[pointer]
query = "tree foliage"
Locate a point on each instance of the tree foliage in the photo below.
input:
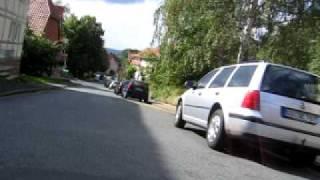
(131, 70)
(39, 55)
(295, 30)
(197, 36)
(85, 45)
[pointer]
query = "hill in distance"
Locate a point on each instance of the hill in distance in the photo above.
(114, 51)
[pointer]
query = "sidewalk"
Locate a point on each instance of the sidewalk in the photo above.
(165, 107)
(21, 86)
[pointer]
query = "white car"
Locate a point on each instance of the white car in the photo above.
(268, 101)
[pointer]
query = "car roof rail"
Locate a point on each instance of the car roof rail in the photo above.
(252, 61)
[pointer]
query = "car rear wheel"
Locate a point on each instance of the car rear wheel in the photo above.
(179, 122)
(146, 100)
(125, 95)
(215, 131)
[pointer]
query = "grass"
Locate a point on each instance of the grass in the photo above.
(168, 94)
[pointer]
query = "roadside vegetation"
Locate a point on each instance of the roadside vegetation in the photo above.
(41, 80)
(197, 36)
(39, 55)
(85, 46)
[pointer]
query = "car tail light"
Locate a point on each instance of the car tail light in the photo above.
(129, 85)
(252, 100)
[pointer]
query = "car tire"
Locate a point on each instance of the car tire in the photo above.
(146, 101)
(179, 122)
(125, 95)
(215, 130)
(140, 100)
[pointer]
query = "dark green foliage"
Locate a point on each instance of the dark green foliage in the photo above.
(130, 72)
(39, 55)
(292, 41)
(314, 65)
(85, 45)
(197, 36)
(200, 35)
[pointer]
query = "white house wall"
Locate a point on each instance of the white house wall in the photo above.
(12, 26)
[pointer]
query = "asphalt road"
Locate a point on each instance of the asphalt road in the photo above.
(88, 133)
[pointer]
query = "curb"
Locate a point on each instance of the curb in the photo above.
(164, 107)
(26, 91)
(155, 105)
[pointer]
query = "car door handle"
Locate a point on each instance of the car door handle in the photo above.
(217, 93)
(199, 93)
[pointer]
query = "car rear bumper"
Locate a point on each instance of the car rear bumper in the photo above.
(242, 125)
(135, 94)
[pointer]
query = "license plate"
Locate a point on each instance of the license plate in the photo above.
(300, 116)
(139, 89)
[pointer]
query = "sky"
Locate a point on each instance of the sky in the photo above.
(127, 23)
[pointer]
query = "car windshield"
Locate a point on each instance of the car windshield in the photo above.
(291, 83)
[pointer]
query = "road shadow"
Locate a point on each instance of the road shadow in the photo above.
(263, 154)
(76, 135)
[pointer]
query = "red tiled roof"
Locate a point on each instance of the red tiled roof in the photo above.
(39, 13)
(55, 10)
(135, 62)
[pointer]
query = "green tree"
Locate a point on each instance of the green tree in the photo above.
(85, 45)
(39, 55)
(195, 36)
(314, 65)
(130, 71)
(293, 28)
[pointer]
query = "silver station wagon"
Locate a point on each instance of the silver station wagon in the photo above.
(269, 101)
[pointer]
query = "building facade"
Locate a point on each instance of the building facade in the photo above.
(13, 16)
(114, 65)
(46, 18)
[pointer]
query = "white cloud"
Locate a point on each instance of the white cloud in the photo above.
(126, 25)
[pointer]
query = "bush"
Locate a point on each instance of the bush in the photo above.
(130, 71)
(314, 65)
(167, 94)
(39, 55)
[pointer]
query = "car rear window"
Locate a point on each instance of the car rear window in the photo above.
(291, 83)
(222, 77)
(140, 84)
(242, 76)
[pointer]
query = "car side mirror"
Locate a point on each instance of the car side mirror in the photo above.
(190, 84)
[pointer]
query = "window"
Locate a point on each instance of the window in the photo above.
(222, 77)
(242, 76)
(12, 31)
(2, 24)
(6, 29)
(205, 79)
(291, 83)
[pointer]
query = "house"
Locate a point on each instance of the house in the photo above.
(141, 60)
(46, 18)
(114, 65)
(13, 16)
